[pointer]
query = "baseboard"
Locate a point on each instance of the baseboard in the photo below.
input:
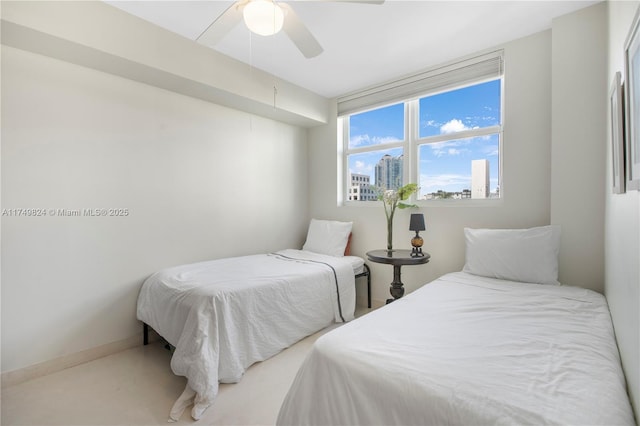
(361, 304)
(21, 375)
(375, 303)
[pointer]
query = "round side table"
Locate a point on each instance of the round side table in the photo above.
(397, 258)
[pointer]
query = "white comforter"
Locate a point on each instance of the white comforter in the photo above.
(467, 350)
(224, 315)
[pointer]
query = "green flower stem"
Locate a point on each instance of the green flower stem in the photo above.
(390, 229)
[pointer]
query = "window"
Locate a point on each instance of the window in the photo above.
(376, 150)
(459, 143)
(446, 137)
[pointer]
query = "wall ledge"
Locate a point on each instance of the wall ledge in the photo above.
(145, 53)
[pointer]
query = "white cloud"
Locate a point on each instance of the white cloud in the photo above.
(359, 140)
(453, 126)
(492, 151)
(440, 149)
(361, 168)
(384, 139)
(366, 140)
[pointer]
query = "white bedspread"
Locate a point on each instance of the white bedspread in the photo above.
(467, 350)
(224, 315)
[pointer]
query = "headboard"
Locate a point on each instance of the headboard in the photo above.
(347, 249)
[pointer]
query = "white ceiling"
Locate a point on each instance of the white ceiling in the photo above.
(364, 44)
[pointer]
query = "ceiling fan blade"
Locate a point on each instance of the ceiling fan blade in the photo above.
(299, 34)
(222, 25)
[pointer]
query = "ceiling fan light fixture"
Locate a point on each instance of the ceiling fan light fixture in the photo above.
(263, 17)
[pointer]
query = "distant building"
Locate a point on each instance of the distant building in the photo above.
(389, 172)
(480, 179)
(360, 188)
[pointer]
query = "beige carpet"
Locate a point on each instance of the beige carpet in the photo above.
(137, 387)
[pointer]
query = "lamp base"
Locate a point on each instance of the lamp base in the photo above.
(417, 242)
(416, 252)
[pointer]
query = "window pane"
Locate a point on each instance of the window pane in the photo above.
(463, 109)
(462, 168)
(376, 127)
(373, 169)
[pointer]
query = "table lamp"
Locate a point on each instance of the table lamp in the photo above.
(416, 223)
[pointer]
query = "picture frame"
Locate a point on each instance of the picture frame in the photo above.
(632, 104)
(616, 113)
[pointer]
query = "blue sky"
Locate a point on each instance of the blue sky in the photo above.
(443, 165)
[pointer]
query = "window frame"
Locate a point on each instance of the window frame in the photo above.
(411, 147)
(346, 131)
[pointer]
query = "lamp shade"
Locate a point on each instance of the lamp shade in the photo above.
(263, 17)
(416, 222)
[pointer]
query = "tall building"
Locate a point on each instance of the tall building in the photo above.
(360, 188)
(389, 172)
(480, 179)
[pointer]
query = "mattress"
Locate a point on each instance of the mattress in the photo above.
(467, 350)
(224, 315)
(357, 263)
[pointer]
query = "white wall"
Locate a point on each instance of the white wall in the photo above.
(579, 111)
(527, 165)
(200, 181)
(622, 229)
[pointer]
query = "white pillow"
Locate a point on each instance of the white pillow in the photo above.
(526, 255)
(327, 237)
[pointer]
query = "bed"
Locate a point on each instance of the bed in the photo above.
(221, 316)
(499, 342)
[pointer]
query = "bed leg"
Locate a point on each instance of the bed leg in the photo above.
(366, 267)
(145, 334)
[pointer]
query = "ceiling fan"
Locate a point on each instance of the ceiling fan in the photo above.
(267, 17)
